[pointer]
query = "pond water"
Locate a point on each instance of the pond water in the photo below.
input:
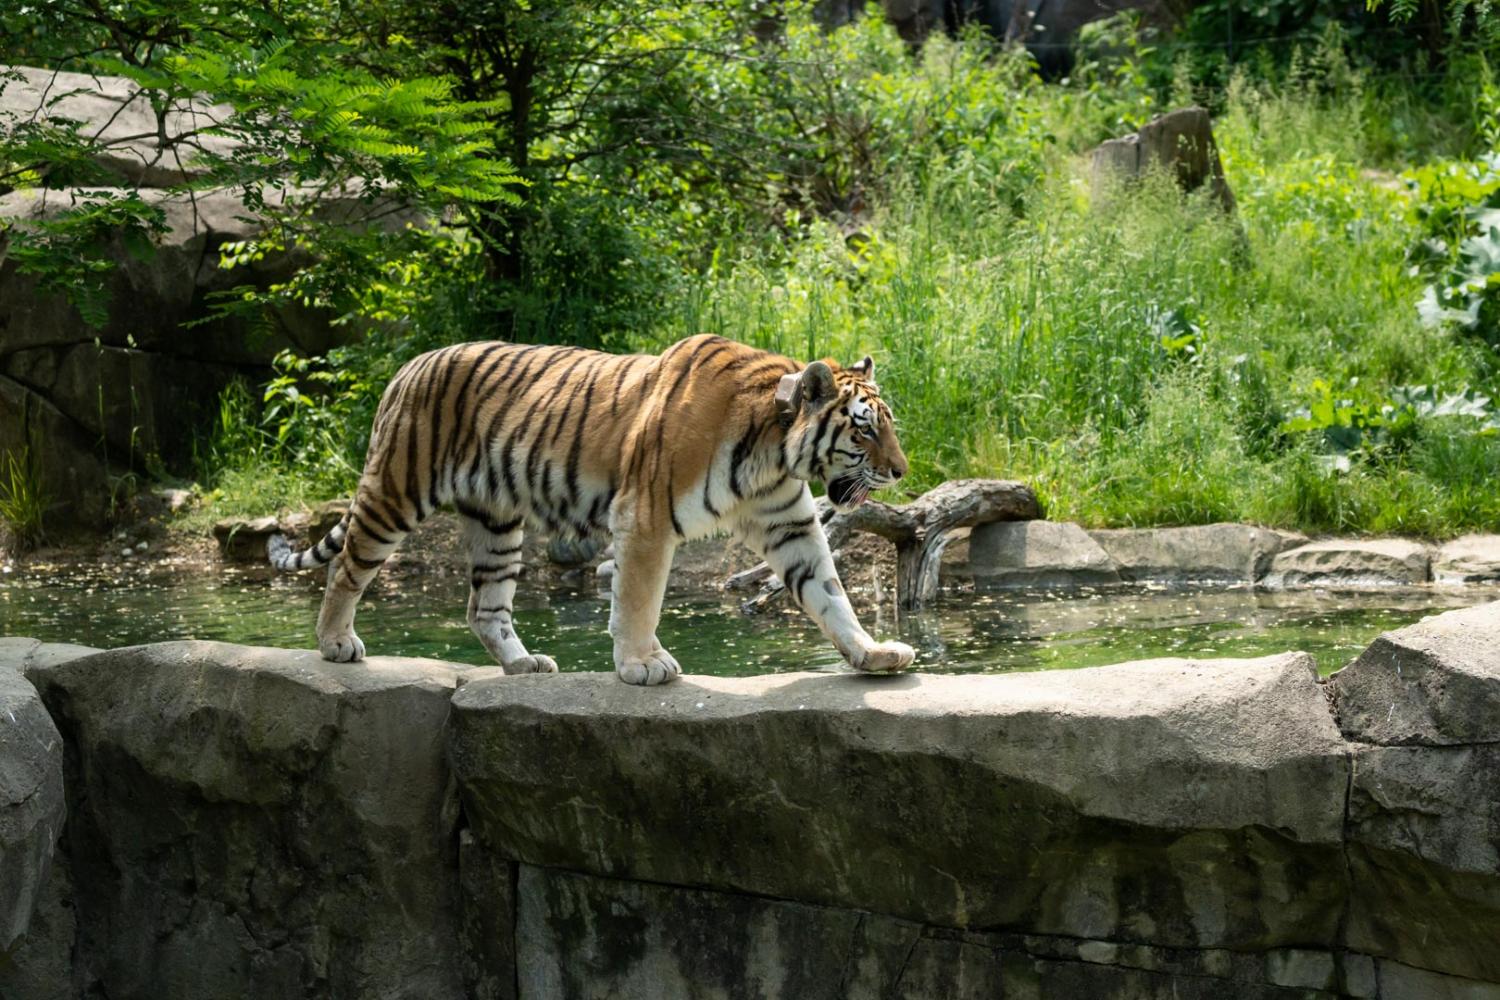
(424, 616)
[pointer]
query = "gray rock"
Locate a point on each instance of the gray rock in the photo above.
(242, 540)
(1175, 800)
(1433, 683)
(113, 112)
(1424, 857)
(1470, 559)
(1402, 982)
(1179, 143)
(259, 823)
(1038, 554)
(1235, 553)
(581, 935)
(32, 808)
(1352, 563)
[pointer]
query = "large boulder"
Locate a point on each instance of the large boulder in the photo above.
(1435, 683)
(1038, 555)
(1469, 559)
(31, 793)
(1187, 803)
(132, 393)
(1219, 553)
(1353, 563)
(258, 823)
(36, 918)
(136, 141)
(1179, 143)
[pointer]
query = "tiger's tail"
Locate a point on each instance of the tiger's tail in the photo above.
(279, 550)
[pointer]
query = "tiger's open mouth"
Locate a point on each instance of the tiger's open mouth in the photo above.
(848, 492)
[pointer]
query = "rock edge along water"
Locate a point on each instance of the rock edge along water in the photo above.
(1127, 831)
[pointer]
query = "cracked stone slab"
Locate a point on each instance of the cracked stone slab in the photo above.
(1353, 563)
(1038, 554)
(1435, 683)
(1469, 559)
(583, 935)
(1232, 553)
(1183, 797)
(259, 823)
(1424, 854)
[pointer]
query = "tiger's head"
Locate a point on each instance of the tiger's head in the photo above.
(839, 431)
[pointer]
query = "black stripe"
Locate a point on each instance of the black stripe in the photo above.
(788, 539)
(782, 507)
(364, 563)
(742, 449)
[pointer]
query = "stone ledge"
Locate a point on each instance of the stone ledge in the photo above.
(1351, 563)
(1216, 553)
(1045, 801)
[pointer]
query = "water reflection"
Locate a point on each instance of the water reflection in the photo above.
(424, 616)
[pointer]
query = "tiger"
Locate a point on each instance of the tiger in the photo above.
(711, 436)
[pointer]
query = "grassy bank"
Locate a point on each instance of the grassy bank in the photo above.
(1138, 356)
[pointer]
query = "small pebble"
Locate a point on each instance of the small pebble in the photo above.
(141, 546)
(126, 553)
(700, 704)
(121, 537)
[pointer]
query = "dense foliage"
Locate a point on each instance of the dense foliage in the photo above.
(628, 173)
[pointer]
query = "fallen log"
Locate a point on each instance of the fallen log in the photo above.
(920, 530)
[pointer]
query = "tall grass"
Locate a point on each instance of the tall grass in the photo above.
(1134, 353)
(1039, 344)
(23, 499)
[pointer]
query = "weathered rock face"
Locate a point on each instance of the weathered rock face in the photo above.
(1425, 800)
(87, 402)
(113, 111)
(1435, 683)
(1179, 143)
(1038, 554)
(31, 793)
(36, 919)
(581, 935)
(1470, 559)
(1353, 563)
(957, 801)
(1235, 553)
(259, 823)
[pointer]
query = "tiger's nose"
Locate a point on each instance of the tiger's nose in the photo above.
(897, 471)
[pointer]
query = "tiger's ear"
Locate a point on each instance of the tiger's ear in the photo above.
(816, 386)
(813, 387)
(865, 369)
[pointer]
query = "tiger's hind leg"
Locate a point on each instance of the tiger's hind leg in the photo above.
(368, 544)
(494, 564)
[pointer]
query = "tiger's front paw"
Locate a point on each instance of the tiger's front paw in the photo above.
(346, 648)
(884, 658)
(657, 667)
(534, 663)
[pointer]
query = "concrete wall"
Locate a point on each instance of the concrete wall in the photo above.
(259, 823)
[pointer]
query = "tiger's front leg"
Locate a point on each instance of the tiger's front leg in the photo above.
(642, 560)
(791, 541)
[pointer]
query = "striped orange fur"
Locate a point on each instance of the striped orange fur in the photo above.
(649, 450)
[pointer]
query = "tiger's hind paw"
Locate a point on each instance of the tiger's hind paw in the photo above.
(657, 667)
(346, 648)
(532, 664)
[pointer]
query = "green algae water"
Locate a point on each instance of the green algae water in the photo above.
(424, 616)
